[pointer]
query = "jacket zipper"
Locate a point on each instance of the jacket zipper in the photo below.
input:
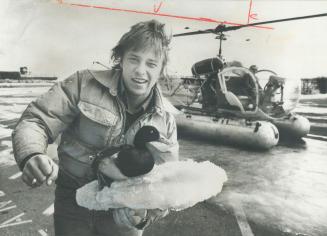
(145, 115)
(122, 109)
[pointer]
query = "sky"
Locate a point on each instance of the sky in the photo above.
(57, 39)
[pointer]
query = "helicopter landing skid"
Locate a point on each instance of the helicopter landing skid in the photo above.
(219, 113)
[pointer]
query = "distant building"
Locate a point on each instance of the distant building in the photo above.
(314, 85)
(23, 74)
(12, 75)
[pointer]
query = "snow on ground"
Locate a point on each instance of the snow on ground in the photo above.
(11, 112)
(10, 101)
(321, 111)
(4, 132)
(13, 101)
(313, 96)
(6, 156)
(21, 91)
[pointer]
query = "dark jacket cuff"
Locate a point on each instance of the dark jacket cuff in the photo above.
(26, 159)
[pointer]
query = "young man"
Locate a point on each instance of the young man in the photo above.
(94, 110)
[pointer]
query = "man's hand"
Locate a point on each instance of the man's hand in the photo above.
(130, 218)
(39, 169)
(139, 219)
(155, 214)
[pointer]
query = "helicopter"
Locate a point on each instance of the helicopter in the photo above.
(228, 102)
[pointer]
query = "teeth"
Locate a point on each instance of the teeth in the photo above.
(140, 80)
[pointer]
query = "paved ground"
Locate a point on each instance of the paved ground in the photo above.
(279, 192)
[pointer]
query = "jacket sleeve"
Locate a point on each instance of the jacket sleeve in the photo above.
(167, 148)
(45, 118)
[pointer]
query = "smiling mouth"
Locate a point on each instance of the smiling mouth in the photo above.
(139, 80)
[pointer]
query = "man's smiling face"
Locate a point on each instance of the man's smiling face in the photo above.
(141, 70)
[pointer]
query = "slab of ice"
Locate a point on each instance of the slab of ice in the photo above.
(172, 185)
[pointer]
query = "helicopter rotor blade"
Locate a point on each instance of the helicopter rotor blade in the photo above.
(229, 28)
(208, 31)
(223, 28)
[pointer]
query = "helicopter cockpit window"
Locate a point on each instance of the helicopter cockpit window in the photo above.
(279, 95)
(240, 88)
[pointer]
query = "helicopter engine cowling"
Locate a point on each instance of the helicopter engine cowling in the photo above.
(207, 66)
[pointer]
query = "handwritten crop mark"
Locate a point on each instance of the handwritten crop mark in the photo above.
(250, 14)
(156, 13)
(156, 9)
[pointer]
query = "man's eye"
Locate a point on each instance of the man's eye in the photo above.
(133, 60)
(152, 65)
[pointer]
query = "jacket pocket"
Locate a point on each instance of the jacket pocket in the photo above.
(96, 124)
(97, 114)
(75, 158)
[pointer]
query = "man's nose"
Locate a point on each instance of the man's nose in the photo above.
(140, 69)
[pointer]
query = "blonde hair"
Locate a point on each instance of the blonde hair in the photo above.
(143, 35)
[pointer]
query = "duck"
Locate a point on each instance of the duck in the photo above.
(125, 161)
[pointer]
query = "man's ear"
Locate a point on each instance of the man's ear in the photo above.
(120, 64)
(163, 72)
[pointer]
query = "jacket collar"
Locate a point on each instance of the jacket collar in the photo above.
(108, 78)
(158, 103)
(111, 79)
